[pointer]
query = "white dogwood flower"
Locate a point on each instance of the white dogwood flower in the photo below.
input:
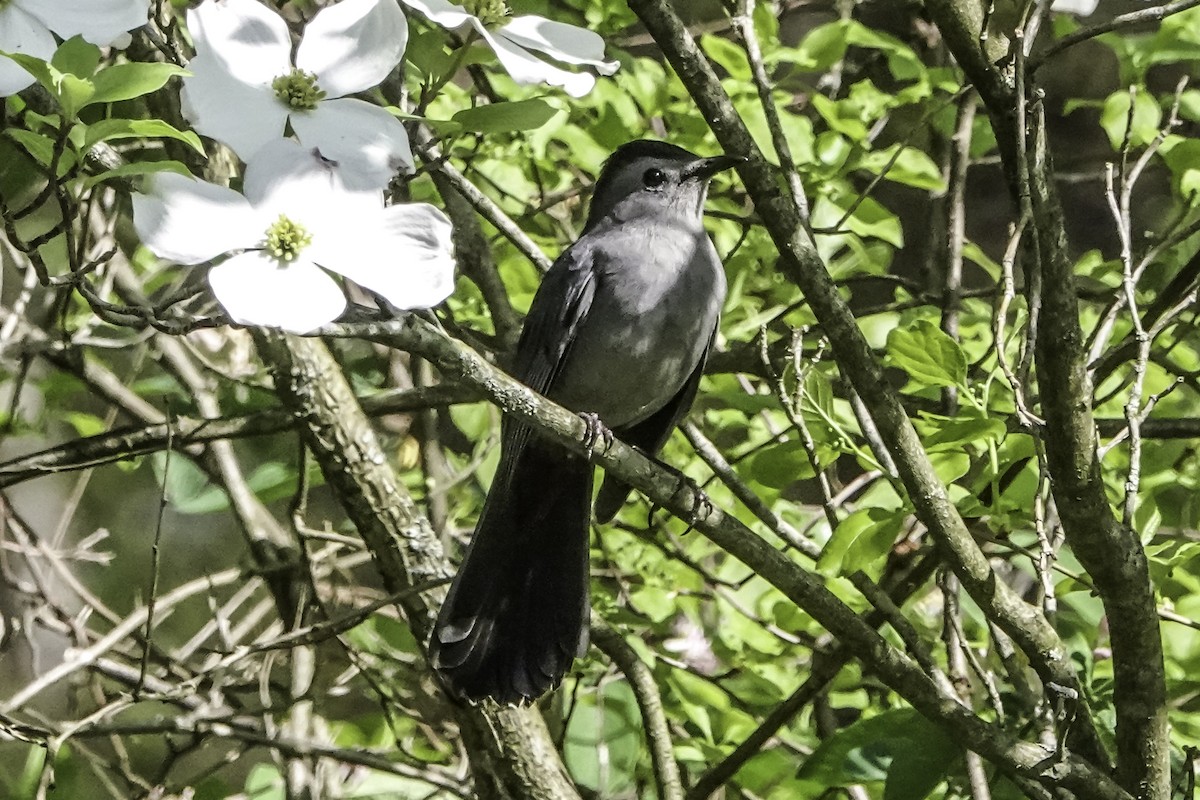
(27, 26)
(245, 88)
(512, 39)
(296, 220)
(1081, 8)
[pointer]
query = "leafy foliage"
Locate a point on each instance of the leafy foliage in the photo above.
(102, 348)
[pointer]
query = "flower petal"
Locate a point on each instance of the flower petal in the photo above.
(441, 12)
(190, 221)
(366, 142)
(21, 32)
(524, 67)
(562, 42)
(406, 256)
(98, 21)
(256, 289)
(1083, 8)
(244, 116)
(245, 37)
(292, 179)
(353, 45)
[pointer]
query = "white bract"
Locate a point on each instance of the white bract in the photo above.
(296, 220)
(1083, 8)
(27, 26)
(512, 38)
(245, 88)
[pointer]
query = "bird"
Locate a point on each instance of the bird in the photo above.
(617, 332)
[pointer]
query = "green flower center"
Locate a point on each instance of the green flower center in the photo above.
(298, 89)
(285, 239)
(492, 13)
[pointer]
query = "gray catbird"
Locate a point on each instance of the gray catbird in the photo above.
(619, 331)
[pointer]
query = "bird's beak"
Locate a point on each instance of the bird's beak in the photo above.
(705, 168)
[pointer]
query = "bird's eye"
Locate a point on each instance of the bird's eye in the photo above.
(654, 178)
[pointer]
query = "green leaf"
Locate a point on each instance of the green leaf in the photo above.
(872, 219)
(69, 91)
(40, 147)
(522, 115)
(475, 420)
(654, 601)
(824, 46)
(272, 481)
(443, 127)
(911, 167)
(949, 465)
(728, 55)
(954, 434)
(841, 116)
(85, 424)
(927, 354)
(187, 488)
(868, 750)
(699, 699)
(604, 740)
(76, 57)
(780, 465)
(135, 169)
(902, 60)
(861, 539)
(1182, 157)
(918, 766)
(41, 70)
(975, 254)
(427, 52)
(127, 81)
(1115, 118)
(818, 390)
(1189, 104)
(831, 149)
(74, 94)
(108, 129)
(381, 635)
(264, 782)
(766, 26)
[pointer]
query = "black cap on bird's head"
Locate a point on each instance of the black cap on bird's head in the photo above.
(649, 177)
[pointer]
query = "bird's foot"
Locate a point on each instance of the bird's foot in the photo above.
(699, 506)
(595, 433)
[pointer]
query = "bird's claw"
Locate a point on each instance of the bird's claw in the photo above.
(595, 432)
(700, 506)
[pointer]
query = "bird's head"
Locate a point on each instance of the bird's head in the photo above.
(647, 178)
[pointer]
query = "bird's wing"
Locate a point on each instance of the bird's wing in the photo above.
(516, 615)
(559, 308)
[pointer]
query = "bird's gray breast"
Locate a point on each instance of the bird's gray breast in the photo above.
(658, 294)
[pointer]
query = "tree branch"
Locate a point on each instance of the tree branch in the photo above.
(512, 754)
(805, 589)
(1110, 552)
(645, 690)
(801, 262)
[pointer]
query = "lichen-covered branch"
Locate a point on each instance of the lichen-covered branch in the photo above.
(801, 262)
(1111, 553)
(806, 589)
(512, 754)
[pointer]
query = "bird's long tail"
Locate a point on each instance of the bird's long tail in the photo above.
(516, 614)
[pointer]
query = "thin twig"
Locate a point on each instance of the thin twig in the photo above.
(645, 690)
